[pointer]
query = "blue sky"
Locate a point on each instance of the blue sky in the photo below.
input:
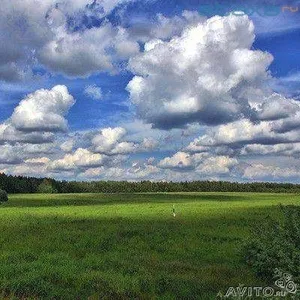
(149, 89)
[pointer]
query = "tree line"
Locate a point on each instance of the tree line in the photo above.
(21, 184)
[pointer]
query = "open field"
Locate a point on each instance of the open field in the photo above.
(126, 246)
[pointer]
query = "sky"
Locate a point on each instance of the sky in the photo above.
(150, 90)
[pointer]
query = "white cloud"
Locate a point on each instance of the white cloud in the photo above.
(277, 107)
(67, 146)
(217, 165)
(33, 34)
(193, 71)
(38, 148)
(245, 132)
(33, 127)
(180, 161)
(43, 111)
(79, 54)
(80, 158)
(94, 92)
(242, 131)
(93, 172)
(122, 173)
(196, 146)
(27, 170)
(17, 153)
(200, 76)
(260, 171)
(110, 141)
(291, 149)
(148, 144)
(162, 27)
(8, 133)
(107, 139)
(9, 155)
(202, 163)
(169, 27)
(38, 161)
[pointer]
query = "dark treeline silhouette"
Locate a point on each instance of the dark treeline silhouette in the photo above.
(21, 184)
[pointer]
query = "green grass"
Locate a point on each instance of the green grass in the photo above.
(128, 246)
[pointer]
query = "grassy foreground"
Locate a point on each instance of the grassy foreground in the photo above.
(128, 246)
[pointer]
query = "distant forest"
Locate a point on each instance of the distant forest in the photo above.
(21, 184)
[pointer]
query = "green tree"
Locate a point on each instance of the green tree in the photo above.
(46, 187)
(3, 196)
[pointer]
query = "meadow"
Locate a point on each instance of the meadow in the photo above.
(128, 246)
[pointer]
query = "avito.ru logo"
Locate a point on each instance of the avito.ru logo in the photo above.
(284, 283)
(261, 9)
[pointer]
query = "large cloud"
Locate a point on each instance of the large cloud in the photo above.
(34, 32)
(38, 116)
(200, 76)
(43, 110)
(93, 50)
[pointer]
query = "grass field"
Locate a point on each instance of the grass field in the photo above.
(128, 246)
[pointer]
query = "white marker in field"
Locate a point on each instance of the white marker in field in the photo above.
(174, 213)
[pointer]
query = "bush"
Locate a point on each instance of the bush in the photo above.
(3, 196)
(276, 245)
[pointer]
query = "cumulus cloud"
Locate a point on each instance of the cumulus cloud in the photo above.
(43, 34)
(8, 133)
(67, 146)
(80, 158)
(196, 146)
(292, 149)
(26, 170)
(260, 171)
(210, 74)
(192, 72)
(9, 155)
(43, 111)
(277, 107)
(217, 165)
(35, 149)
(203, 163)
(244, 132)
(110, 141)
(201, 76)
(17, 157)
(179, 161)
(32, 128)
(148, 144)
(107, 139)
(84, 53)
(17, 153)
